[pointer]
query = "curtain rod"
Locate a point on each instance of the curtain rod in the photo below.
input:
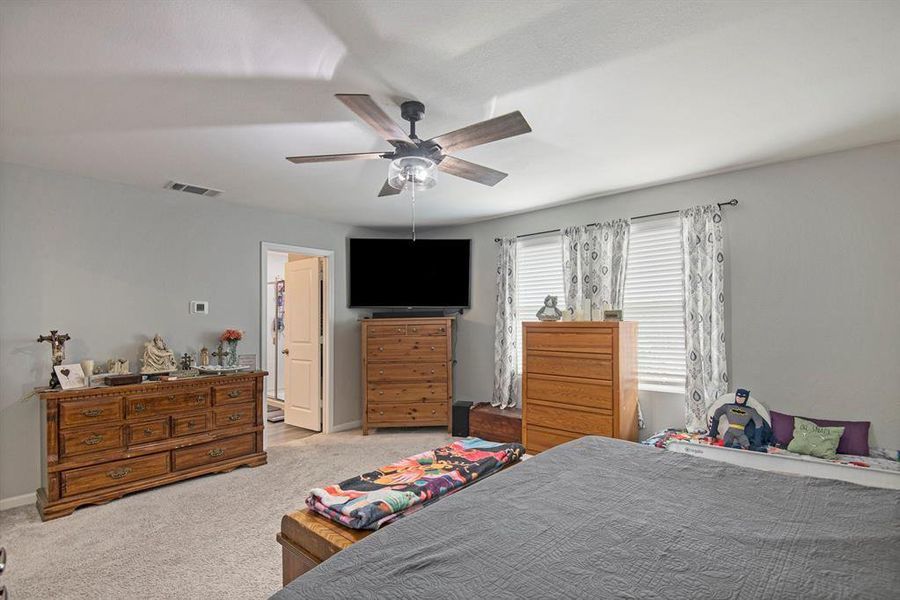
(732, 202)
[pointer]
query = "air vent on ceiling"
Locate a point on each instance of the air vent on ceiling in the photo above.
(192, 189)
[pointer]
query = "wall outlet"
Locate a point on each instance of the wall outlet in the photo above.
(199, 307)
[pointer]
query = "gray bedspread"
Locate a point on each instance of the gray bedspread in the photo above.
(600, 518)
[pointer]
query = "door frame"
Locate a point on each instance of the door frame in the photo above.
(328, 343)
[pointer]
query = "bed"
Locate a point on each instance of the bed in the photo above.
(603, 518)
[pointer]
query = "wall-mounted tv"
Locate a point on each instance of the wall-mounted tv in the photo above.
(401, 273)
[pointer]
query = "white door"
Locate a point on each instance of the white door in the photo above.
(302, 369)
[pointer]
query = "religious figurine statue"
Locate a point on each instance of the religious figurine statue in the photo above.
(220, 354)
(204, 356)
(57, 351)
(157, 356)
(118, 366)
(549, 312)
(186, 361)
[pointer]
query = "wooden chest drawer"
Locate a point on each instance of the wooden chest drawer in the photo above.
(592, 366)
(592, 341)
(230, 394)
(112, 474)
(429, 330)
(424, 372)
(411, 413)
(234, 415)
(150, 431)
(188, 424)
(385, 330)
(212, 452)
(423, 348)
(163, 404)
(592, 394)
(538, 440)
(577, 421)
(93, 439)
(407, 392)
(90, 411)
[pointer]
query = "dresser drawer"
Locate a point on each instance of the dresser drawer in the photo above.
(569, 391)
(150, 431)
(565, 419)
(592, 366)
(538, 440)
(592, 341)
(429, 330)
(234, 415)
(405, 348)
(229, 394)
(401, 372)
(112, 474)
(212, 452)
(385, 330)
(162, 404)
(407, 392)
(75, 413)
(188, 424)
(412, 413)
(93, 439)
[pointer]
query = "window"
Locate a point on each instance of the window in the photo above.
(653, 298)
(539, 272)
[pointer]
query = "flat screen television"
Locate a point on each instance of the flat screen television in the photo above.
(401, 273)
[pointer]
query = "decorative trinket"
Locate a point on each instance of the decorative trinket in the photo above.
(549, 312)
(157, 357)
(57, 351)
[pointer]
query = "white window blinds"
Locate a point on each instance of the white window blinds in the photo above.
(538, 273)
(653, 298)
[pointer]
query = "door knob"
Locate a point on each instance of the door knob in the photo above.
(285, 351)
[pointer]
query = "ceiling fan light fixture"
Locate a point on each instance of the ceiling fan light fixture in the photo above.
(417, 170)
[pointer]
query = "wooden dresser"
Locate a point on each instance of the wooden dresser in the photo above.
(407, 372)
(102, 443)
(578, 378)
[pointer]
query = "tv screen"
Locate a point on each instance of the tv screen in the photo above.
(392, 273)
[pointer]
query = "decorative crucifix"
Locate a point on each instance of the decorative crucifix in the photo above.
(186, 361)
(57, 351)
(220, 355)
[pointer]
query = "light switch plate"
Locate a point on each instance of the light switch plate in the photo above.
(199, 307)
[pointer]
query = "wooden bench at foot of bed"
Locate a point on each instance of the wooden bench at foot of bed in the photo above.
(307, 539)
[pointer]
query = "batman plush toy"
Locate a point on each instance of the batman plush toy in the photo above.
(738, 416)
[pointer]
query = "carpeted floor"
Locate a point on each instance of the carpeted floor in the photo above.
(212, 537)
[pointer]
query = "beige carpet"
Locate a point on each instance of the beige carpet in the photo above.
(212, 537)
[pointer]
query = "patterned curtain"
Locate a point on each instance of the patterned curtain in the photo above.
(594, 258)
(703, 247)
(505, 360)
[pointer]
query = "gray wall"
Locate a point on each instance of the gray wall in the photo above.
(112, 264)
(814, 276)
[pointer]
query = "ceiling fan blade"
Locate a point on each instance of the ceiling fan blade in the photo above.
(471, 171)
(388, 190)
(335, 157)
(498, 128)
(368, 111)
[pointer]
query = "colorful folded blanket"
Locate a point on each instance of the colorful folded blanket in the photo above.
(384, 495)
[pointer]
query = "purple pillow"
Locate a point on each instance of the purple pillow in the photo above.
(854, 441)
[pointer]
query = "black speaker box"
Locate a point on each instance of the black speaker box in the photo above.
(461, 418)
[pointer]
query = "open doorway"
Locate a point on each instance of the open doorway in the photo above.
(296, 330)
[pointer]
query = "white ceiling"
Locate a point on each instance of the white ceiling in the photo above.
(620, 94)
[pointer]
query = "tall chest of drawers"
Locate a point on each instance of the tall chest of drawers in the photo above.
(578, 378)
(102, 443)
(407, 372)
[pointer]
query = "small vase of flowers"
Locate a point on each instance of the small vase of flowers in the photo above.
(231, 337)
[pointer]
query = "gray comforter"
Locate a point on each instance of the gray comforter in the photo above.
(600, 518)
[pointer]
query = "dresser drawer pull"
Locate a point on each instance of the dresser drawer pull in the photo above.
(118, 473)
(234, 394)
(432, 348)
(216, 452)
(380, 393)
(415, 329)
(381, 372)
(443, 330)
(93, 440)
(148, 431)
(236, 417)
(139, 407)
(400, 330)
(432, 371)
(92, 412)
(200, 399)
(381, 412)
(381, 348)
(433, 412)
(171, 398)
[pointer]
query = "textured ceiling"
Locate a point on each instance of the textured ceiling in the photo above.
(620, 94)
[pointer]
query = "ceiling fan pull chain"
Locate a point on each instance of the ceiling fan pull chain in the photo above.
(412, 195)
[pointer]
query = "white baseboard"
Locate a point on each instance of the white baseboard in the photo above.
(346, 426)
(14, 501)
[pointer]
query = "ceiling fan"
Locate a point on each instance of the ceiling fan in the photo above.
(415, 161)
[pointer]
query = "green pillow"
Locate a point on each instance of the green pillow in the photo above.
(813, 440)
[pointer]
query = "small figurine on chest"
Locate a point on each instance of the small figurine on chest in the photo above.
(737, 416)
